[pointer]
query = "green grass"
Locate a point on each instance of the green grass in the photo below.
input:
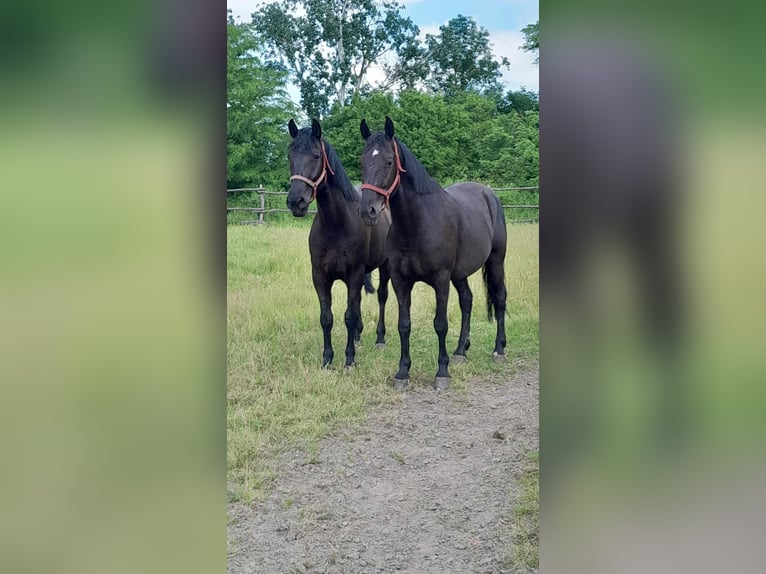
(524, 554)
(279, 397)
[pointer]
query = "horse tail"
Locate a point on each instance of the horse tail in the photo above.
(368, 287)
(489, 293)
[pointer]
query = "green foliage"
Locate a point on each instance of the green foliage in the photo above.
(330, 45)
(465, 137)
(510, 149)
(460, 58)
(521, 101)
(341, 127)
(258, 109)
(532, 38)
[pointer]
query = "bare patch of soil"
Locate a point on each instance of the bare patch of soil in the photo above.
(425, 486)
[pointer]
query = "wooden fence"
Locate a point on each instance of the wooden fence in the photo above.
(262, 210)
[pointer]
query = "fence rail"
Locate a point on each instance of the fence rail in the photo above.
(262, 210)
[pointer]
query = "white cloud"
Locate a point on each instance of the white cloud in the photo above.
(242, 9)
(432, 29)
(523, 72)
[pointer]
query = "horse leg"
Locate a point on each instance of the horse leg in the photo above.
(324, 292)
(353, 314)
(466, 302)
(380, 342)
(441, 288)
(358, 331)
(403, 290)
(495, 277)
(660, 295)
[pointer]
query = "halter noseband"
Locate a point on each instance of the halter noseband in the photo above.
(322, 176)
(397, 179)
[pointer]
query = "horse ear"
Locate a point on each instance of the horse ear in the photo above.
(292, 128)
(389, 127)
(316, 129)
(364, 129)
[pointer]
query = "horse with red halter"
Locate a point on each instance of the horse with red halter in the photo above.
(341, 246)
(437, 236)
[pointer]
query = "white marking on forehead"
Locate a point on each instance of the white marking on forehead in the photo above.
(375, 152)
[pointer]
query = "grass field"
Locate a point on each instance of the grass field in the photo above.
(279, 397)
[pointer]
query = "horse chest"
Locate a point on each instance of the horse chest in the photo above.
(337, 260)
(408, 265)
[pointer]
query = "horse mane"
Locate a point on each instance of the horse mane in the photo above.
(303, 141)
(416, 171)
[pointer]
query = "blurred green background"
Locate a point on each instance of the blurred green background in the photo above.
(621, 493)
(112, 293)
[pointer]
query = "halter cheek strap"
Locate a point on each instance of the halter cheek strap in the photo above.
(314, 184)
(397, 179)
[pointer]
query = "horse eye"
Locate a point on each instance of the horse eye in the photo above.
(317, 156)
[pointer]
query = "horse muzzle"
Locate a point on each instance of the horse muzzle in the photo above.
(369, 215)
(298, 207)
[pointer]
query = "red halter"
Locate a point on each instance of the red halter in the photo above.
(322, 176)
(387, 192)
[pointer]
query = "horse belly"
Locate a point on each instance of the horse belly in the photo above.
(470, 261)
(476, 232)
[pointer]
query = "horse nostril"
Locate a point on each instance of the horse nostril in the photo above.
(371, 211)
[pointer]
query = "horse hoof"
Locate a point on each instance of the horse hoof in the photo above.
(458, 359)
(380, 346)
(349, 368)
(497, 357)
(401, 384)
(441, 383)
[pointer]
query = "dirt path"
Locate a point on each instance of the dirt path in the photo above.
(427, 486)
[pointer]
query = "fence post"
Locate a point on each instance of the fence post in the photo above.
(263, 203)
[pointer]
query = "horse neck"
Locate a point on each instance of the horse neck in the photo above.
(408, 208)
(332, 207)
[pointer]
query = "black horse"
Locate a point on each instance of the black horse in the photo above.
(437, 236)
(341, 246)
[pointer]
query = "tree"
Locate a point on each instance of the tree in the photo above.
(532, 39)
(461, 57)
(341, 126)
(437, 132)
(512, 151)
(330, 46)
(465, 137)
(520, 101)
(258, 110)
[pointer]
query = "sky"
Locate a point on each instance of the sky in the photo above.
(503, 19)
